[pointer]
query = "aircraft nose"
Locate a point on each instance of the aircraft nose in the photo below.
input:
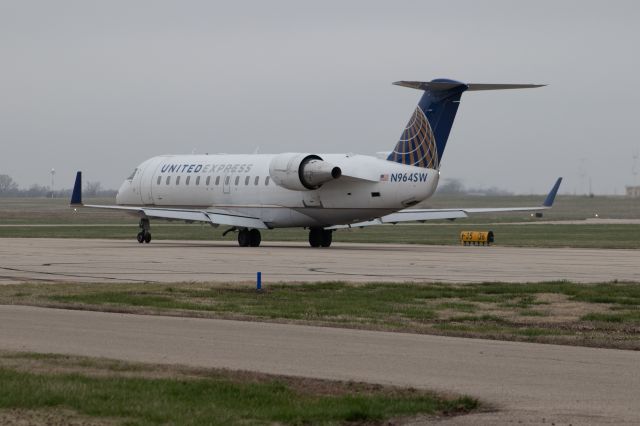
(121, 195)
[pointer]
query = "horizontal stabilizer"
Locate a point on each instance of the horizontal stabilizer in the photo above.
(446, 85)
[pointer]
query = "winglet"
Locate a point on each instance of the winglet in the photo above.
(76, 195)
(548, 202)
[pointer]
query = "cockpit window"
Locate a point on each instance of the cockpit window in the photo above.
(132, 174)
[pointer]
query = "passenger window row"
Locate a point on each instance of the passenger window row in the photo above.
(187, 181)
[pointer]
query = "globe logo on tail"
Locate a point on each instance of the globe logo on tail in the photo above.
(417, 144)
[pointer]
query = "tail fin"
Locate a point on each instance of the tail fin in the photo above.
(424, 138)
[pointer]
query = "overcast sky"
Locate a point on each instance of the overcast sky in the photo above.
(101, 86)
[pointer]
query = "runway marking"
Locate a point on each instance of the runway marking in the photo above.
(396, 277)
(57, 274)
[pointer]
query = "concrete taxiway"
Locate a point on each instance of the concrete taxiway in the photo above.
(88, 260)
(530, 383)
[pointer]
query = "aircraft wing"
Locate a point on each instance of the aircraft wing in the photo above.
(214, 217)
(421, 215)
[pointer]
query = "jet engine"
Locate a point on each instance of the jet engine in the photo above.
(302, 172)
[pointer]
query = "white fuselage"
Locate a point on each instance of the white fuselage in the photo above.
(368, 187)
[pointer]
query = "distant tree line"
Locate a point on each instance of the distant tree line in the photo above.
(9, 188)
(456, 187)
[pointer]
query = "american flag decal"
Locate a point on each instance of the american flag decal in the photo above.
(384, 178)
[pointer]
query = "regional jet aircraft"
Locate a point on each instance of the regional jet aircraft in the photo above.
(320, 192)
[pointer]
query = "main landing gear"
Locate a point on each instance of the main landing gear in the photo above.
(319, 237)
(249, 237)
(144, 236)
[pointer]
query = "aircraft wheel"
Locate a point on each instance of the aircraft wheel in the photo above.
(140, 237)
(147, 237)
(327, 237)
(315, 237)
(254, 238)
(243, 238)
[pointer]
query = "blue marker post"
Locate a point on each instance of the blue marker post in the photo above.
(259, 281)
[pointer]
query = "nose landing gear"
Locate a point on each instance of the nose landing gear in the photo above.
(319, 237)
(144, 236)
(249, 238)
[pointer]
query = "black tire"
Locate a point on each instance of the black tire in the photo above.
(315, 237)
(243, 238)
(327, 237)
(140, 237)
(254, 238)
(147, 237)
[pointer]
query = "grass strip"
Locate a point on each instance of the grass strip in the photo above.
(134, 394)
(601, 315)
(620, 236)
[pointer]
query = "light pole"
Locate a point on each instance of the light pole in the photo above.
(53, 173)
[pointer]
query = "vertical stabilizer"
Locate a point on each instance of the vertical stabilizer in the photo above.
(424, 138)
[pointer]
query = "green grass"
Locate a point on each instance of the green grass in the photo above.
(196, 402)
(543, 235)
(631, 317)
(537, 332)
(92, 388)
(95, 224)
(606, 314)
(458, 306)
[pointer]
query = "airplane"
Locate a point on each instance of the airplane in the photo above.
(319, 192)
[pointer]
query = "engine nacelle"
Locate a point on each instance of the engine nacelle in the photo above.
(302, 172)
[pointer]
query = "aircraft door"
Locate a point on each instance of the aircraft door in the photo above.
(145, 181)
